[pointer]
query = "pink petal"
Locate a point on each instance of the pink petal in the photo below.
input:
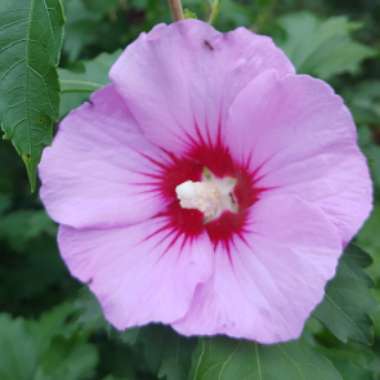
(141, 273)
(93, 173)
(275, 278)
(186, 75)
(301, 140)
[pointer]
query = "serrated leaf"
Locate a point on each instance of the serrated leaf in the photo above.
(76, 86)
(83, 20)
(30, 43)
(67, 359)
(364, 102)
(62, 342)
(323, 48)
(43, 350)
(175, 363)
(21, 226)
(80, 26)
(369, 239)
(348, 302)
(161, 351)
(353, 363)
(372, 152)
(227, 359)
(18, 356)
(89, 314)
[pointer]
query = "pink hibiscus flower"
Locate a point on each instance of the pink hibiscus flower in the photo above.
(208, 187)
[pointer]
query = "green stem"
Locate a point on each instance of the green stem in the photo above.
(214, 11)
(72, 85)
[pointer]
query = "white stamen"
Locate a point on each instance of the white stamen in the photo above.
(212, 196)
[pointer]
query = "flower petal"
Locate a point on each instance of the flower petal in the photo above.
(301, 140)
(93, 173)
(180, 79)
(274, 278)
(141, 273)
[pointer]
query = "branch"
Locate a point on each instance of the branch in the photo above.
(176, 9)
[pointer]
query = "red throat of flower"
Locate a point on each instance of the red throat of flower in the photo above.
(209, 168)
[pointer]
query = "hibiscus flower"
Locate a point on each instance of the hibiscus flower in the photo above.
(208, 187)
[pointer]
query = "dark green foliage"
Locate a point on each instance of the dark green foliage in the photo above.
(323, 48)
(41, 350)
(348, 303)
(227, 359)
(77, 85)
(52, 328)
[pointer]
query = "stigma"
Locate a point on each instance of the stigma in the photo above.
(212, 195)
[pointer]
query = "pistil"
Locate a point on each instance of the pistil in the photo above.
(212, 196)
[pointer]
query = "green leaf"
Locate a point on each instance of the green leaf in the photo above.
(80, 27)
(227, 359)
(21, 226)
(189, 14)
(369, 239)
(376, 317)
(130, 336)
(372, 152)
(364, 101)
(323, 48)
(76, 86)
(233, 13)
(101, 7)
(353, 362)
(348, 302)
(18, 356)
(30, 44)
(89, 314)
(67, 359)
(161, 351)
(85, 23)
(175, 362)
(5, 202)
(47, 349)
(41, 268)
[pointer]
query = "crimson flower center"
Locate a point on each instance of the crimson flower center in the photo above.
(207, 191)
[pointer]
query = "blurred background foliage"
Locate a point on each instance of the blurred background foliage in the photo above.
(51, 327)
